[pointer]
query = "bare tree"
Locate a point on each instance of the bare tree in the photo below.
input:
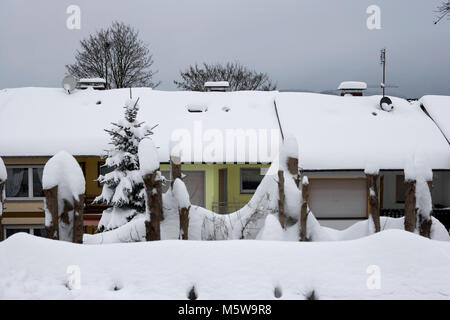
(117, 55)
(238, 76)
(442, 10)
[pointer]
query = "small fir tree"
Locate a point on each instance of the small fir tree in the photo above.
(123, 188)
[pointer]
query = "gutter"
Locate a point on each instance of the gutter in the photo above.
(278, 118)
(426, 112)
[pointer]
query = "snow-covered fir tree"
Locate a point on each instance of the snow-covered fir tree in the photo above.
(123, 187)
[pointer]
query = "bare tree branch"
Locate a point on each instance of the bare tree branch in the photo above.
(442, 11)
(238, 76)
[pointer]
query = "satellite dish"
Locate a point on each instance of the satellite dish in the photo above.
(69, 83)
(386, 104)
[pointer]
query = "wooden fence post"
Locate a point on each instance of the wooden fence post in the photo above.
(154, 206)
(425, 224)
(305, 209)
(292, 164)
(372, 194)
(2, 186)
(410, 205)
(281, 216)
(78, 227)
(51, 200)
(175, 166)
(184, 223)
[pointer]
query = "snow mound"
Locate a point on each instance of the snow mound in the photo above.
(3, 173)
(63, 170)
(411, 267)
(148, 157)
(181, 194)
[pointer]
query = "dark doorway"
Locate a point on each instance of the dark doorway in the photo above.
(223, 193)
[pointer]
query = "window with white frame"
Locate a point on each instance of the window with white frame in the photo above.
(24, 183)
(38, 231)
(250, 179)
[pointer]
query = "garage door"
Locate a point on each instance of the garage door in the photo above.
(338, 198)
(195, 184)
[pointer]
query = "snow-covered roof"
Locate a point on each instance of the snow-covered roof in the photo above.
(353, 132)
(92, 80)
(333, 132)
(438, 107)
(217, 84)
(352, 85)
(43, 121)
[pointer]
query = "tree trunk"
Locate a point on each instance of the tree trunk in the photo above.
(425, 224)
(154, 206)
(425, 227)
(281, 197)
(410, 205)
(293, 169)
(184, 223)
(51, 200)
(374, 209)
(304, 211)
(2, 186)
(78, 227)
(175, 165)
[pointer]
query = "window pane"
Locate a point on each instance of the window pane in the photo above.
(37, 182)
(17, 183)
(11, 231)
(40, 232)
(250, 179)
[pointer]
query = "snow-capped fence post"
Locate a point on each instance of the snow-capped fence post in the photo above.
(305, 208)
(372, 175)
(149, 169)
(418, 200)
(425, 207)
(410, 205)
(78, 226)
(51, 213)
(181, 194)
(64, 186)
(175, 166)
(281, 196)
(292, 164)
(153, 190)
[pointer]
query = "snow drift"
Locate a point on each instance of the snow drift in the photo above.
(411, 267)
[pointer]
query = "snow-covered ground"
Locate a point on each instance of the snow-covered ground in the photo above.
(408, 266)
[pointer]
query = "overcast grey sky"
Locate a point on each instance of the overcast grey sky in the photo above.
(310, 45)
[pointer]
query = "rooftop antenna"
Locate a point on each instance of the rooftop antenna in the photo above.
(383, 83)
(69, 83)
(385, 102)
(383, 63)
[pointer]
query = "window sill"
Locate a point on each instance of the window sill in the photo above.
(24, 200)
(247, 192)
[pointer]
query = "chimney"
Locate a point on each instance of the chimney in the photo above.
(352, 88)
(217, 86)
